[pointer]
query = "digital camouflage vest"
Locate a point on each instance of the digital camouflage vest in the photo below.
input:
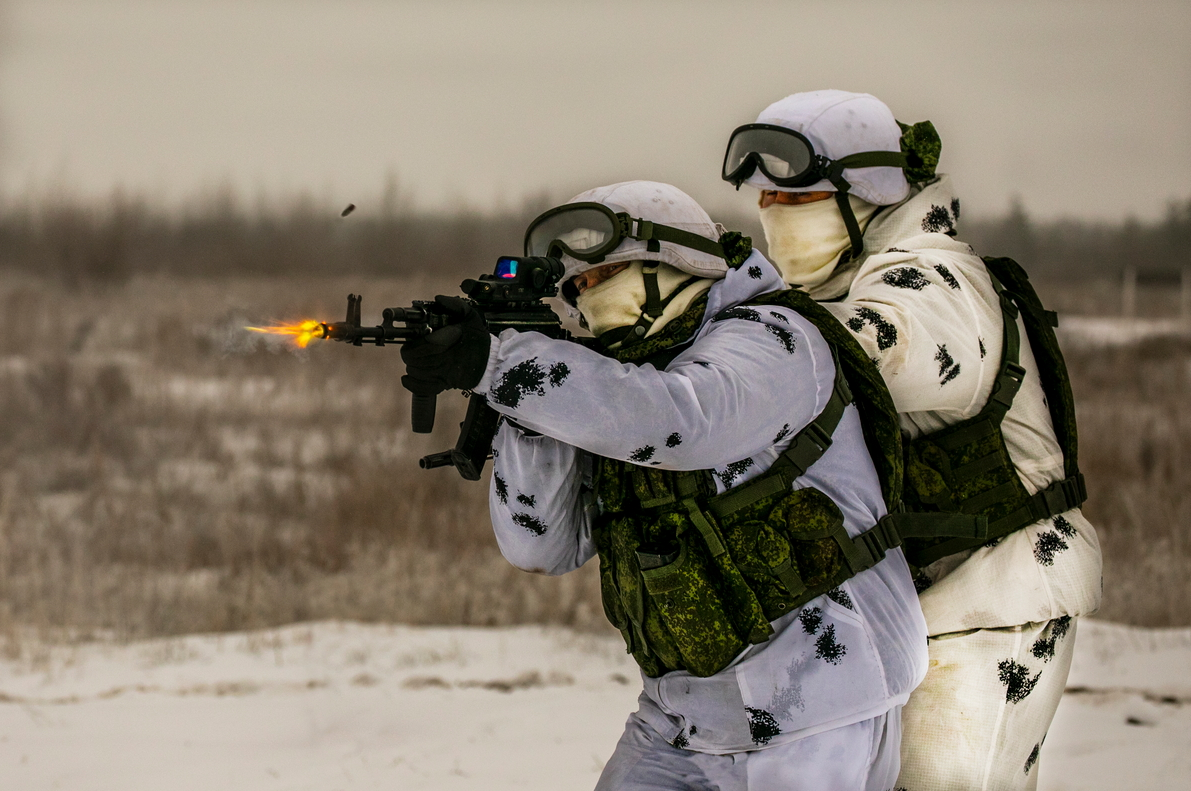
(965, 469)
(689, 577)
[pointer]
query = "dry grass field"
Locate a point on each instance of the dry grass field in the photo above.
(165, 472)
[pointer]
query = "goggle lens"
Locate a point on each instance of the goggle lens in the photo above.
(781, 153)
(581, 230)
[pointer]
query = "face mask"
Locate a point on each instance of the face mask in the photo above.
(807, 240)
(619, 300)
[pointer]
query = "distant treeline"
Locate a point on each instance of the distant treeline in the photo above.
(78, 242)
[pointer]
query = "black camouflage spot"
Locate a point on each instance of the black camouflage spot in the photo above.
(921, 582)
(1060, 626)
(1049, 544)
(502, 489)
(530, 523)
(948, 278)
(875, 361)
(1033, 759)
(693, 730)
(896, 250)
(762, 725)
(905, 277)
(1017, 681)
(841, 597)
(559, 373)
(937, 220)
(681, 741)
(528, 500)
(642, 454)
(811, 619)
(955, 208)
(748, 314)
(495, 453)
(948, 367)
(779, 316)
(992, 542)
(784, 337)
(1063, 527)
(983, 351)
(886, 332)
(782, 434)
(754, 272)
(827, 649)
(1044, 648)
(733, 471)
(674, 440)
(524, 378)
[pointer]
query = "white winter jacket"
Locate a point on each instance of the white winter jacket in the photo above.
(922, 305)
(731, 401)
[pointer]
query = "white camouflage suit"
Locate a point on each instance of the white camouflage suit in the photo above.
(814, 707)
(1001, 618)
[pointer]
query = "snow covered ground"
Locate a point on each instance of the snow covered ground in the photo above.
(348, 706)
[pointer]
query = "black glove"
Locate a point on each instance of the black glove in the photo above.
(451, 358)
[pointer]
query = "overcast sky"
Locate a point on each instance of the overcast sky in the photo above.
(1081, 108)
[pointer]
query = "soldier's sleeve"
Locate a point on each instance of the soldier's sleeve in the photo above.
(540, 501)
(748, 380)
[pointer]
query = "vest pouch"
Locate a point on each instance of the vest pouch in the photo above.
(814, 526)
(692, 611)
(927, 470)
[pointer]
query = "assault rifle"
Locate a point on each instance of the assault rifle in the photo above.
(509, 298)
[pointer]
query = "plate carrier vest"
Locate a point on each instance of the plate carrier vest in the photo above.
(965, 469)
(691, 578)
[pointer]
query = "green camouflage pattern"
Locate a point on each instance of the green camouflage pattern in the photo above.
(737, 248)
(701, 610)
(922, 146)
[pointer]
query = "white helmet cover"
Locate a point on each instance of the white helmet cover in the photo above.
(659, 203)
(839, 123)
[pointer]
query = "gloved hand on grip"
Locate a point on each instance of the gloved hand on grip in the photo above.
(451, 358)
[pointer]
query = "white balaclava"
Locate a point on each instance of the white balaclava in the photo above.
(806, 241)
(619, 301)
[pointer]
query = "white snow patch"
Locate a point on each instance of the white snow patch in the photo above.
(353, 706)
(1096, 332)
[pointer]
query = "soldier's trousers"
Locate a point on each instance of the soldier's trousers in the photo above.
(976, 723)
(858, 757)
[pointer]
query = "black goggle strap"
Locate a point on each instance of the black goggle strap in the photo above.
(649, 231)
(654, 307)
(835, 174)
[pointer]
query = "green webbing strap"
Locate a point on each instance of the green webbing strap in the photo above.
(807, 447)
(789, 577)
(647, 230)
(1055, 499)
(1011, 374)
(938, 524)
(868, 549)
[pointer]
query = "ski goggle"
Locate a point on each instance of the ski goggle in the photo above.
(589, 231)
(788, 158)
